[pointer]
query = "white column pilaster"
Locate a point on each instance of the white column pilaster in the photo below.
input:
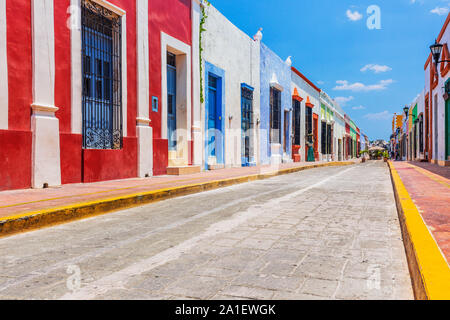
(44, 125)
(144, 130)
(3, 69)
(76, 81)
(124, 74)
(196, 106)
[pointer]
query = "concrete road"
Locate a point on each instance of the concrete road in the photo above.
(329, 233)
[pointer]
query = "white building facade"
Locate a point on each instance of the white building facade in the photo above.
(437, 104)
(231, 87)
(309, 94)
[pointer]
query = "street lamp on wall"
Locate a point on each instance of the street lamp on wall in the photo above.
(406, 110)
(436, 51)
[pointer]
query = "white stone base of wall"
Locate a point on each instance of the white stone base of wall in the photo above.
(46, 164)
(212, 161)
(287, 158)
(145, 148)
(276, 158)
(198, 150)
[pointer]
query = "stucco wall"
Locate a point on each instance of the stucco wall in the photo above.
(305, 90)
(339, 126)
(173, 18)
(170, 16)
(16, 141)
(438, 109)
(228, 48)
(335, 114)
(327, 115)
(420, 102)
(271, 64)
(440, 154)
(339, 134)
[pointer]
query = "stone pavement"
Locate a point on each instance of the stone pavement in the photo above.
(328, 233)
(23, 201)
(433, 168)
(429, 188)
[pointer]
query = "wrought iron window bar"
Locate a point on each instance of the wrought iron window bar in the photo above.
(102, 77)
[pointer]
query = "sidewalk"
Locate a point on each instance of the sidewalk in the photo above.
(33, 208)
(429, 188)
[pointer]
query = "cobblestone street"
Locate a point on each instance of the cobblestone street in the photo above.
(328, 233)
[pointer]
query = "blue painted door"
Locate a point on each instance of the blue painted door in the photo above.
(171, 102)
(212, 117)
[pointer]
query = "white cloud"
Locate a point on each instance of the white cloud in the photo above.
(358, 86)
(353, 16)
(359, 108)
(376, 68)
(343, 100)
(440, 11)
(320, 82)
(385, 115)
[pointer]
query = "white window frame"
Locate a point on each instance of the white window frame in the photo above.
(76, 47)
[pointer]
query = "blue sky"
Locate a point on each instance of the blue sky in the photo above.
(330, 43)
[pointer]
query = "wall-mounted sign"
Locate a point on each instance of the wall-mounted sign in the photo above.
(155, 104)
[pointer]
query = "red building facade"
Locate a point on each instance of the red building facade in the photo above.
(347, 140)
(58, 54)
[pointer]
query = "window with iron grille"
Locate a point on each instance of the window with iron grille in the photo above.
(297, 114)
(102, 77)
(247, 110)
(171, 59)
(275, 116)
(246, 120)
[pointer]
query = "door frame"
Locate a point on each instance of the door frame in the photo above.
(184, 97)
(296, 129)
(219, 74)
(308, 129)
(316, 135)
(286, 132)
(427, 128)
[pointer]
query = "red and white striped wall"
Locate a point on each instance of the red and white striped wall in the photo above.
(41, 91)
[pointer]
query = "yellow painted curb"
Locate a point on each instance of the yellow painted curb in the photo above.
(430, 272)
(44, 218)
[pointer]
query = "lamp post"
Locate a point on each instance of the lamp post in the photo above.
(436, 51)
(406, 110)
